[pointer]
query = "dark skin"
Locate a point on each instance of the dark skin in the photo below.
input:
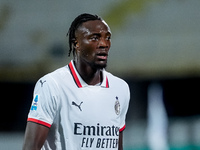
(92, 45)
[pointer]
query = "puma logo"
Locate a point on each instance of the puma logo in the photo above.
(79, 106)
(42, 82)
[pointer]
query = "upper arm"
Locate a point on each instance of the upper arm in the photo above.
(35, 136)
(120, 141)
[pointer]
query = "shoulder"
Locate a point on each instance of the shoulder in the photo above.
(54, 77)
(116, 81)
(120, 86)
(58, 73)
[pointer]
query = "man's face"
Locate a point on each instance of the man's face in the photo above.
(93, 43)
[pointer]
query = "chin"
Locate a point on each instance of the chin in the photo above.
(101, 66)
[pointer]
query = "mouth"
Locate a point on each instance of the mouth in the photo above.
(102, 55)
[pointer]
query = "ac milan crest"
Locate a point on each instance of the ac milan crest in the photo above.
(117, 106)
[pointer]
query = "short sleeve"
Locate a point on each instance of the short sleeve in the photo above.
(45, 101)
(124, 108)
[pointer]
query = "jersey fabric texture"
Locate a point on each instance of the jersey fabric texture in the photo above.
(80, 116)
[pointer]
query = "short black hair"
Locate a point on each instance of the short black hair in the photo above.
(74, 26)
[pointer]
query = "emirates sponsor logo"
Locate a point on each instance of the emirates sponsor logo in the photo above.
(97, 136)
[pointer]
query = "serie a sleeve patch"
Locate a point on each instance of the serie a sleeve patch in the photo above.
(35, 102)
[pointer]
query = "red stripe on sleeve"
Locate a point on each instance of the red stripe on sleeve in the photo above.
(39, 122)
(122, 129)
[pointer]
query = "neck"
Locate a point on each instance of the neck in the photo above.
(90, 75)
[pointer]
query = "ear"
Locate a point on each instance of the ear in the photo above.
(76, 44)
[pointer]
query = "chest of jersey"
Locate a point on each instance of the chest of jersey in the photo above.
(92, 104)
(93, 115)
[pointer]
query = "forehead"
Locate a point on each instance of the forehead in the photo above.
(94, 26)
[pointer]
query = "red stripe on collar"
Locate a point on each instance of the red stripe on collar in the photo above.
(76, 79)
(107, 84)
(71, 68)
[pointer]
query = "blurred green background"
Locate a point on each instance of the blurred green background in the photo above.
(155, 48)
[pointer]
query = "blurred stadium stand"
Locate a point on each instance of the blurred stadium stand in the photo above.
(153, 41)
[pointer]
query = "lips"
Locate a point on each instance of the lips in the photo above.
(102, 55)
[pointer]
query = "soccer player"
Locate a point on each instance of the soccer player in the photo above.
(80, 106)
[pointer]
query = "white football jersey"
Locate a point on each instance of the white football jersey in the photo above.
(80, 116)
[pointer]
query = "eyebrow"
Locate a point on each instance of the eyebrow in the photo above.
(98, 34)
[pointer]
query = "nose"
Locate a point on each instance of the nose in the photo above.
(103, 43)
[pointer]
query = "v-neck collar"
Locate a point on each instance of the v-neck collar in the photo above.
(80, 82)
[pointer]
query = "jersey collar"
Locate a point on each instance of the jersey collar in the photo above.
(80, 82)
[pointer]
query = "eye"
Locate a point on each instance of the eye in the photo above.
(95, 38)
(108, 38)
